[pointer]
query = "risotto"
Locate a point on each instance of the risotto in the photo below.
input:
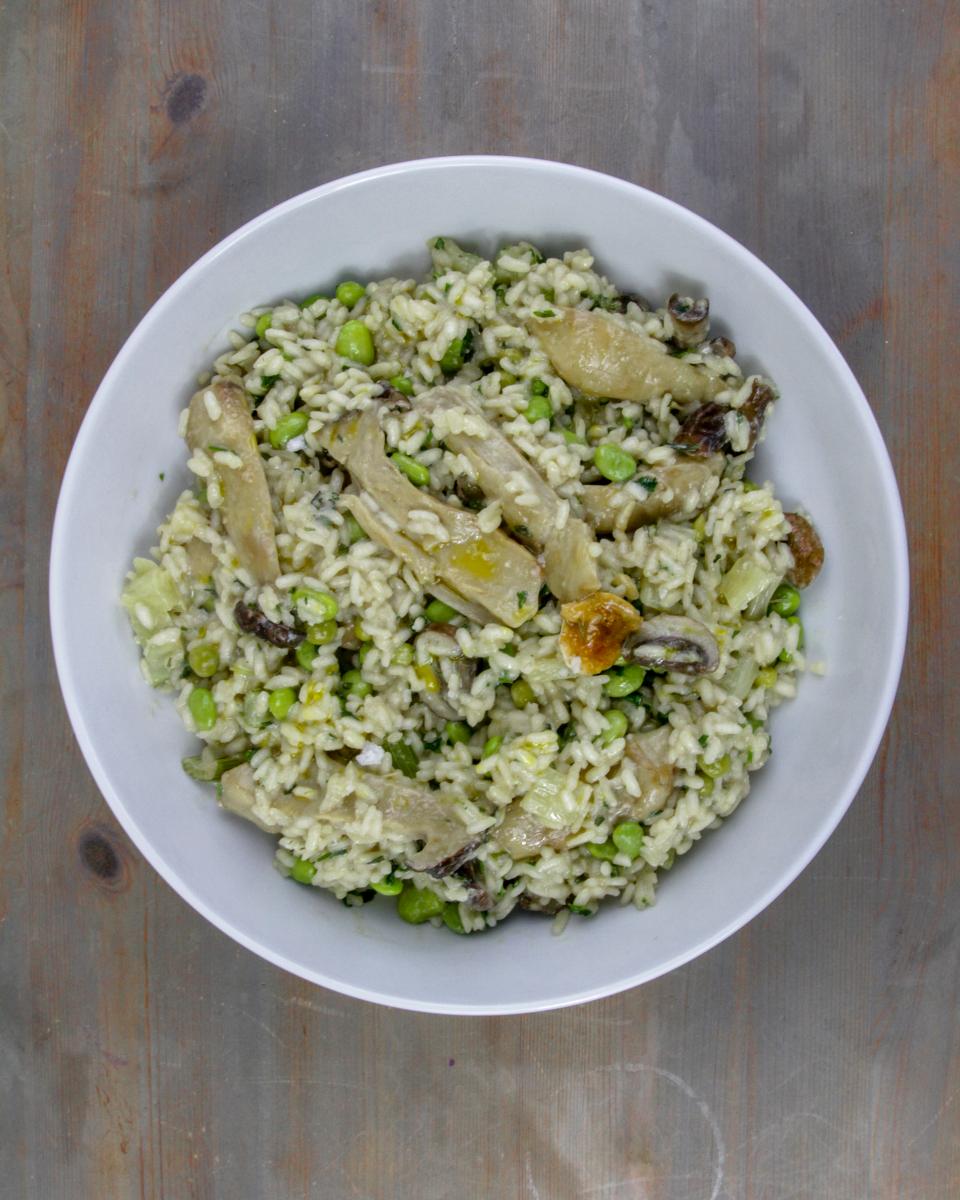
(473, 604)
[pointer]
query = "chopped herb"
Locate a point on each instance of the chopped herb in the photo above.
(267, 381)
(434, 745)
(648, 482)
(523, 530)
(439, 243)
(582, 912)
(396, 324)
(549, 295)
(521, 599)
(544, 312)
(500, 291)
(215, 449)
(565, 735)
(703, 739)
(163, 476)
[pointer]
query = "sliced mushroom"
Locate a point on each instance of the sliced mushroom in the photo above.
(806, 548)
(723, 347)
(486, 569)
(456, 671)
(690, 319)
(607, 357)
(417, 814)
(504, 474)
(674, 644)
(648, 752)
(704, 432)
(593, 631)
(247, 512)
(252, 620)
(679, 489)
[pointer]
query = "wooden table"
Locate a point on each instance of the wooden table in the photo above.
(815, 1055)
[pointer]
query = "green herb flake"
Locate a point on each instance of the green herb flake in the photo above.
(439, 243)
(703, 739)
(648, 482)
(544, 312)
(162, 476)
(521, 599)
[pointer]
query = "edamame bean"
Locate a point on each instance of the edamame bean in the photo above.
(203, 709)
(354, 341)
(539, 388)
(491, 746)
(521, 693)
(355, 684)
(614, 463)
(262, 325)
(539, 408)
(617, 726)
(416, 905)
(439, 612)
(316, 603)
(311, 300)
(628, 838)
(625, 682)
(416, 472)
(455, 355)
(404, 757)
(451, 917)
(305, 653)
(289, 426)
(302, 870)
(602, 850)
(401, 384)
(281, 701)
(323, 633)
(389, 886)
(785, 600)
(457, 731)
(350, 293)
(204, 660)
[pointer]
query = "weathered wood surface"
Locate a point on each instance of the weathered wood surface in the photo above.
(814, 1056)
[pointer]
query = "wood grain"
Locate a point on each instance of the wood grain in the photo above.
(814, 1055)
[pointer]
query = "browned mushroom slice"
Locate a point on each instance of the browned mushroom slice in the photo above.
(604, 356)
(488, 570)
(417, 814)
(679, 489)
(219, 419)
(593, 631)
(252, 620)
(674, 644)
(690, 319)
(723, 347)
(806, 548)
(504, 474)
(705, 432)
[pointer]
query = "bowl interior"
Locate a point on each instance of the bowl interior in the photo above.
(823, 451)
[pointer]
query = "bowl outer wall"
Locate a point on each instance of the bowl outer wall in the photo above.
(823, 450)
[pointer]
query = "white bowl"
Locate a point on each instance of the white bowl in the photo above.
(823, 450)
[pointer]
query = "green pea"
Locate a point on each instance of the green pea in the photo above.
(603, 850)
(350, 293)
(539, 408)
(491, 746)
(281, 701)
(204, 660)
(614, 463)
(404, 757)
(458, 731)
(785, 600)
(437, 611)
(354, 341)
(311, 300)
(625, 682)
(454, 356)
(539, 388)
(355, 684)
(289, 426)
(305, 653)
(302, 870)
(353, 529)
(416, 905)
(617, 726)
(390, 886)
(451, 917)
(628, 838)
(521, 693)
(263, 324)
(404, 655)
(321, 604)
(323, 633)
(750, 486)
(202, 708)
(715, 769)
(416, 472)
(401, 384)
